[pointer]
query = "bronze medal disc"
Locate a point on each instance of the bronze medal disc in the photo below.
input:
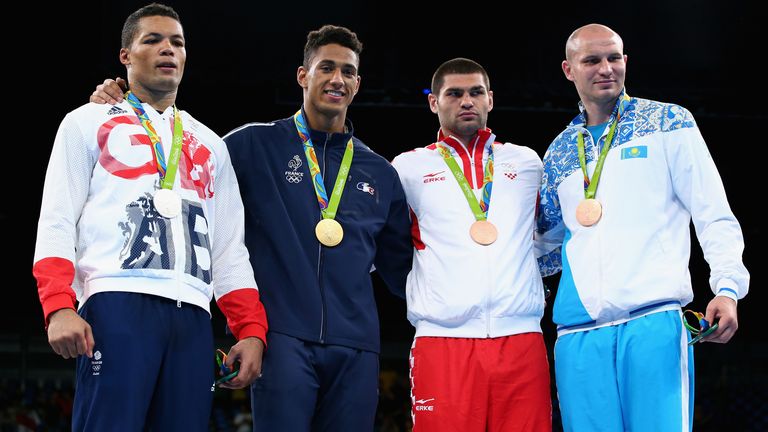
(589, 212)
(483, 232)
(167, 203)
(329, 232)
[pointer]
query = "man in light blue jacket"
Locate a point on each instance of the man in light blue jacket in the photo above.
(621, 185)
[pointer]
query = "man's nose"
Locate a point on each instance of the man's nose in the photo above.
(336, 77)
(466, 101)
(605, 67)
(166, 47)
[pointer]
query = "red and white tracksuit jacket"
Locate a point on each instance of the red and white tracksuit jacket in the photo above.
(458, 288)
(99, 230)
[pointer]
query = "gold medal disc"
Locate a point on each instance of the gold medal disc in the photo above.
(589, 212)
(329, 232)
(483, 232)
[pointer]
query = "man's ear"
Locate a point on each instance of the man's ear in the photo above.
(567, 70)
(125, 56)
(490, 100)
(301, 77)
(432, 102)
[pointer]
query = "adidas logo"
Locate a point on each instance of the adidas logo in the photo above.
(116, 110)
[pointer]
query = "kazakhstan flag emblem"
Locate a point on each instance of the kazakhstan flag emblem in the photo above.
(634, 152)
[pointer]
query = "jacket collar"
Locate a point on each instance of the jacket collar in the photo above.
(481, 137)
(619, 106)
(330, 138)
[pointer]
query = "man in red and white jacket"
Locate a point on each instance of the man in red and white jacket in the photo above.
(475, 296)
(141, 223)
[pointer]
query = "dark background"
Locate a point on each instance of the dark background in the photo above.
(241, 67)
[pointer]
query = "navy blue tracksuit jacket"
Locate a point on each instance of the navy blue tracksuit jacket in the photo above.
(312, 292)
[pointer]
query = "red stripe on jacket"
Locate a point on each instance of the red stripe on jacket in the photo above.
(54, 284)
(245, 313)
(415, 232)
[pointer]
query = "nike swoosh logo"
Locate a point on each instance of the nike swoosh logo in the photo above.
(434, 174)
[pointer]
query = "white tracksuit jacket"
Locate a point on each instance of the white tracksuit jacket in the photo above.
(458, 288)
(657, 175)
(99, 230)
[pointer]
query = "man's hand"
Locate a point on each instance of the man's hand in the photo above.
(111, 91)
(249, 352)
(69, 334)
(723, 310)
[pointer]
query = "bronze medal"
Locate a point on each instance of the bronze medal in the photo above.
(483, 232)
(329, 232)
(167, 203)
(589, 212)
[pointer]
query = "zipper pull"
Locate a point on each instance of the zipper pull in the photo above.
(178, 304)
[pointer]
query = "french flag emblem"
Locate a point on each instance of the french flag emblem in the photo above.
(365, 187)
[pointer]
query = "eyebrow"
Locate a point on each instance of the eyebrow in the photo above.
(160, 35)
(331, 62)
(611, 54)
(477, 87)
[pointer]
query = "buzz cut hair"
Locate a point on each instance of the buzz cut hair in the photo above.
(459, 66)
(131, 25)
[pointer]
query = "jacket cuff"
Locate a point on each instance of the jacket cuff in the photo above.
(727, 288)
(245, 313)
(254, 330)
(57, 302)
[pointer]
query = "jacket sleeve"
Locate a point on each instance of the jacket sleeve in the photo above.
(234, 286)
(67, 183)
(698, 185)
(394, 250)
(550, 229)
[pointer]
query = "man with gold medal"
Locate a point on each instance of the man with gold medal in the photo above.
(621, 186)
(475, 296)
(312, 253)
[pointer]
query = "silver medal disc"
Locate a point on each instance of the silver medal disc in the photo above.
(167, 203)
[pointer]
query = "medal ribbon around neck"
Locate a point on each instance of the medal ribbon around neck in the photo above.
(590, 185)
(327, 208)
(480, 210)
(167, 170)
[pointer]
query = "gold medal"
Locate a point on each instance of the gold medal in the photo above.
(483, 232)
(589, 212)
(329, 232)
(167, 203)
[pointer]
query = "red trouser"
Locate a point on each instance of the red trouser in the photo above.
(468, 385)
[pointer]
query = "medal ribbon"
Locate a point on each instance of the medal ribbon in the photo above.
(167, 170)
(327, 208)
(480, 210)
(590, 185)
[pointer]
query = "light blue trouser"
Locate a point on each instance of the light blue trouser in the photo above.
(634, 376)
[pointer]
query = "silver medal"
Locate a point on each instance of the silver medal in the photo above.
(167, 203)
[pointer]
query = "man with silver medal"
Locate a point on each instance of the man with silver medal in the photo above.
(143, 282)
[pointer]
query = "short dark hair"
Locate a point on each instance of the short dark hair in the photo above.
(330, 34)
(131, 25)
(461, 66)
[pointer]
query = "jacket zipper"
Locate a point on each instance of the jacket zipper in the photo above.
(473, 176)
(597, 149)
(490, 294)
(320, 253)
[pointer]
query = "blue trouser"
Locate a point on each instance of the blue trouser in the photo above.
(307, 386)
(152, 367)
(634, 376)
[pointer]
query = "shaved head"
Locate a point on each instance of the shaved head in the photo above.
(575, 39)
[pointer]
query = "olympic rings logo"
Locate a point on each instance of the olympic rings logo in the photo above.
(294, 177)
